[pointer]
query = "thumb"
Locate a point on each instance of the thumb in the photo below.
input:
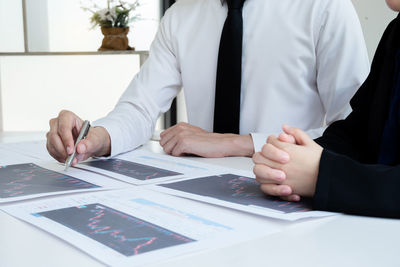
(301, 137)
(90, 145)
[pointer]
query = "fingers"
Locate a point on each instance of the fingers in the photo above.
(180, 128)
(301, 137)
(265, 174)
(92, 145)
(293, 198)
(60, 138)
(273, 140)
(276, 190)
(273, 153)
(67, 122)
(174, 140)
(258, 158)
(286, 138)
(54, 144)
(282, 191)
(181, 148)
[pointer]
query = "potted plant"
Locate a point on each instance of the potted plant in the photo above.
(114, 21)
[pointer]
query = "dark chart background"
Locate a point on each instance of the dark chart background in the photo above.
(27, 179)
(131, 169)
(237, 189)
(119, 231)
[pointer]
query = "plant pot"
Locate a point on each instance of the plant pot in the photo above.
(115, 39)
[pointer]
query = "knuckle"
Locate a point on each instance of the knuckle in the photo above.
(256, 157)
(166, 150)
(175, 153)
(63, 112)
(62, 129)
(276, 190)
(256, 170)
(52, 138)
(266, 149)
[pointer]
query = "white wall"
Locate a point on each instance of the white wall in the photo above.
(11, 26)
(374, 17)
(36, 88)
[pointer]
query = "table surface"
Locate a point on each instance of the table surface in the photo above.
(340, 240)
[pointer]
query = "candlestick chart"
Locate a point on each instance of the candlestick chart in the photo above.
(237, 189)
(131, 169)
(119, 231)
(27, 179)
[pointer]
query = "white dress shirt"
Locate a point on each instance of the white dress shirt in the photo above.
(302, 62)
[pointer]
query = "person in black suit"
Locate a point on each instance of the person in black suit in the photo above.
(355, 166)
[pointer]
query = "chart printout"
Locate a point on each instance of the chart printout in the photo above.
(236, 189)
(136, 226)
(119, 231)
(29, 179)
(130, 169)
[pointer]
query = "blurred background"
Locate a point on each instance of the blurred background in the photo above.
(34, 88)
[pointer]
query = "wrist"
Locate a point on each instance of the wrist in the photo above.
(105, 141)
(240, 145)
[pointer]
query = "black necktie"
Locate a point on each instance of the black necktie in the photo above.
(229, 71)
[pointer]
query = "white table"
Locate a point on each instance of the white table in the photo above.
(341, 240)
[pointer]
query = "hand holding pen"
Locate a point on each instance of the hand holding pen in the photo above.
(82, 134)
(65, 129)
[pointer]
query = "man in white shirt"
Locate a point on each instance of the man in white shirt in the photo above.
(301, 63)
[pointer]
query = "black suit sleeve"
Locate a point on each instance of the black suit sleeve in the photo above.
(346, 185)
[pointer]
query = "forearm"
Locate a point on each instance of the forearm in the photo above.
(345, 185)
(127, 127)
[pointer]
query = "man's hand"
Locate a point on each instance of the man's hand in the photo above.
(286, 169)
(183, 139)
(64, 130)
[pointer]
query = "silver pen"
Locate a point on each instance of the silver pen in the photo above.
(82, 134)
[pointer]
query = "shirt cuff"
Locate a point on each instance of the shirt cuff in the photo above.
(115, 134)
(259, 140)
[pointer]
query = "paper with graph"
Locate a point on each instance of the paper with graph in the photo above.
(32, 180)
(238, 190)
(140, 167)
(136, 226)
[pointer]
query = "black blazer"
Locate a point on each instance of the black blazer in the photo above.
(349, 179)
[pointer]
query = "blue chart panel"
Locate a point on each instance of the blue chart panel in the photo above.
(27, 179)
(119, 231)
(131, 169)
(237, 189)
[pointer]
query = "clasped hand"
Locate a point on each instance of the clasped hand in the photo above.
(288, 165)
